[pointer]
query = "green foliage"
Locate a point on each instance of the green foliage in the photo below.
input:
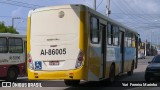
(7, 29)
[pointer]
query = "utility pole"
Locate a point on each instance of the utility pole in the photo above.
(13, 20)
(157, 39)
(94, 4)
(151, 44)
(108, 11)
(145, 48)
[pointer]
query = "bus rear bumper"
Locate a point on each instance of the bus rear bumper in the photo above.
(76, 74)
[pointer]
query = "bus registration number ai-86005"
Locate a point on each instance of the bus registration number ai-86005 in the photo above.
(61, 51)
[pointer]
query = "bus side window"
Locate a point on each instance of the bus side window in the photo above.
(24, 46)
(95, 37)
(133, 40)
(115, 35)
(15, 45)
(109, 34)
(128, 42)
(3, 45)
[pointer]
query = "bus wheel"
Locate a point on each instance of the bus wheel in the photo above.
(72, 82)
(112, 74)
(12, 74)
(132, 68)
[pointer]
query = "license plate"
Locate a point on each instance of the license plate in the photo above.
(54, 63)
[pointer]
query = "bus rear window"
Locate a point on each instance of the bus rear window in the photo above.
(3, 45)
(15, 45)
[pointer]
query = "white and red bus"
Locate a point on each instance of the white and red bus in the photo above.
(12, 56)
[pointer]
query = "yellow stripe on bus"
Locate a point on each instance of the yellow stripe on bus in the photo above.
(83, 43)
(28, 34)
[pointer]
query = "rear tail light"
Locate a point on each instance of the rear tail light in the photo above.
(30, 61)
(79, 59)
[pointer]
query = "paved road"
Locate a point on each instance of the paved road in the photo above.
(137, 76)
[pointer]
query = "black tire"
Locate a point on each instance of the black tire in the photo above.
(129, 73)
(112, 74)
(12, 74)
(72, 82)
(147, 77)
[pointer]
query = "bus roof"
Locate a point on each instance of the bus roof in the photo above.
(12, 35)
(90, 10)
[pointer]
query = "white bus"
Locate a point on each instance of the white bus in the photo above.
(74, 42)
(12, 56)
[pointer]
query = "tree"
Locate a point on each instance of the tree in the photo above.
(7, 29)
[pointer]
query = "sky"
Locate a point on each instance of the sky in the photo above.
(141, 15)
